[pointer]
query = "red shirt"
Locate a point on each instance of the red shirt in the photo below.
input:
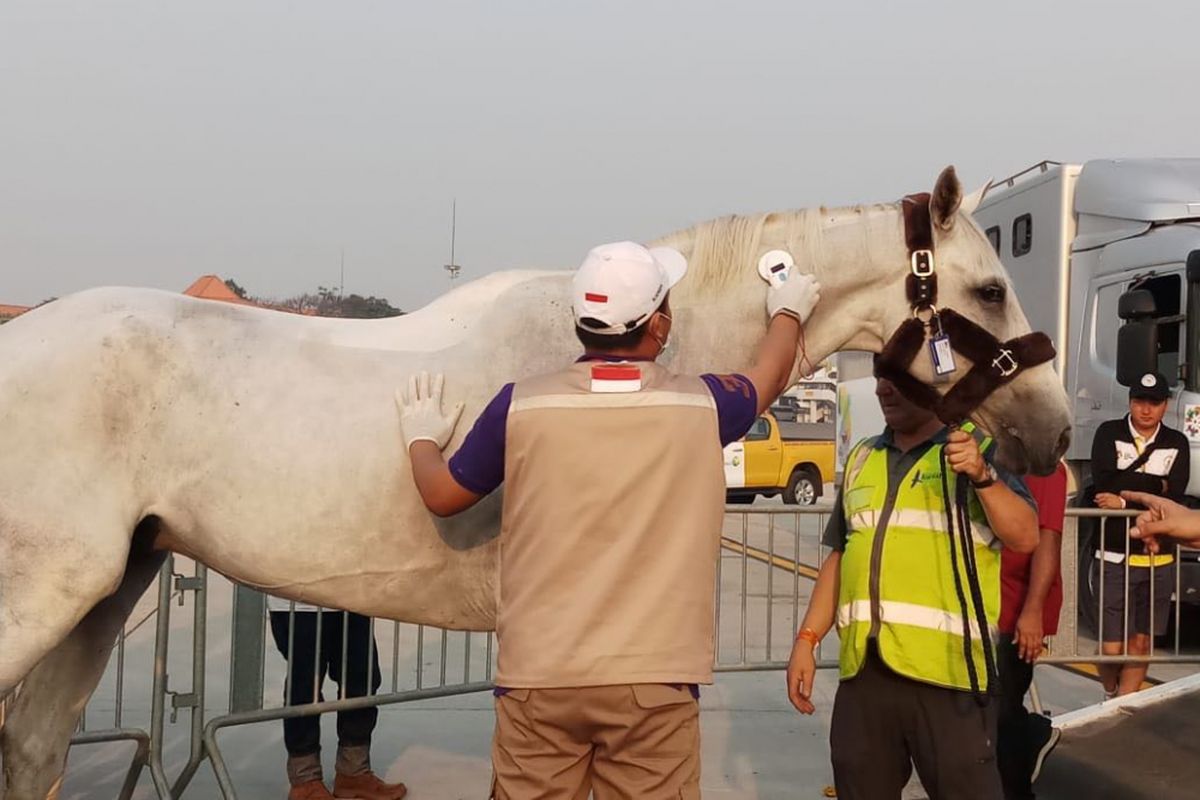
(1050, 493)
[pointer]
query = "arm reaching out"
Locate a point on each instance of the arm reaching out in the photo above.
(789, 306)
(1162, 518)
(426, 431)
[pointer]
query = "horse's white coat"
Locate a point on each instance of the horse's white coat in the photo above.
(268, 443)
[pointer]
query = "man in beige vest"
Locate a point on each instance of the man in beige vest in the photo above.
(607, 565)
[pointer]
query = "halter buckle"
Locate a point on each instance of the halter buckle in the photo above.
(922, 263)
(1005, 364)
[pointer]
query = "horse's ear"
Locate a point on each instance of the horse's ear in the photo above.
(972, 201)
(946, 198)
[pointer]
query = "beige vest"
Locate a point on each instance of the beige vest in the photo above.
(613, 506)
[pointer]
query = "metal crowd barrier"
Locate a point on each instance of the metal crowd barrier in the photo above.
(1072, 558)
(769, 560)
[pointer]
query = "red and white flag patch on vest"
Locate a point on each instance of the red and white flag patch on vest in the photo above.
(615, 378)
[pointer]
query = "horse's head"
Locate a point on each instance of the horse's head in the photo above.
(1028, 415)
(861, 257)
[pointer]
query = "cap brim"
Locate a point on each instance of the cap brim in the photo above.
(672, 261)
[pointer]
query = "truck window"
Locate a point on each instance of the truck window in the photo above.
(993, 236)
(761, 429)
(1105, 323)
(1167, 290)
(1022, 235)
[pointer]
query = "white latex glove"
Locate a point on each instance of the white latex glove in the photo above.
(421, 416)
(796, 297)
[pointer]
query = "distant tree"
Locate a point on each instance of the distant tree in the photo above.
(359, 307)
(326, 302)
(233, 286)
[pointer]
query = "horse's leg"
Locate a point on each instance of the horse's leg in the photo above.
(38, 731)
(52, 573)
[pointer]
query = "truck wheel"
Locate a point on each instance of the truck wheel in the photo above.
(801, 489)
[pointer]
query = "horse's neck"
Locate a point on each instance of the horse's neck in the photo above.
(856, 254)
(859, 260)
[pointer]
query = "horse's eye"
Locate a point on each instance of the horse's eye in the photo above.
(993, 293)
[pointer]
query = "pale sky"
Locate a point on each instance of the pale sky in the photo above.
(147, 143)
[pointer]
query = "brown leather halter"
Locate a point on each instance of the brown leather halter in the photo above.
(993, 363)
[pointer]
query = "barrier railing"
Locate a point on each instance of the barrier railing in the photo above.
(769, 561)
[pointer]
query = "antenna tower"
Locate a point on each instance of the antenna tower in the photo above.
(452, 267)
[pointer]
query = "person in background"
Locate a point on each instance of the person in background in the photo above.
(1030, 601)
(302, 735)
(607, 570)
(1135, 453)
(914, 689)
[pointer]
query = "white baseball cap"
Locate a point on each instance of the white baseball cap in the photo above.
(620, 285)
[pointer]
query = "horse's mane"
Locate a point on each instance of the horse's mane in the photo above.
(724, 252)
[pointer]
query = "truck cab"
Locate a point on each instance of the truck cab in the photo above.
(1105, 258)
(792, 459)
(1098, 254)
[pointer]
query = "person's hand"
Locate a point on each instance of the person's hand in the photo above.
(1109, 500)
(421, 417)
(801, 670)
(1162, 517)
(1029, 636)
(963, 456)
(796, 297)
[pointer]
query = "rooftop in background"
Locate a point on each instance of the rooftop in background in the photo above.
(8, 312)
(211, 287)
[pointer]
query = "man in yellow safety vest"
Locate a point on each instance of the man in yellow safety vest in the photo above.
(916, 597)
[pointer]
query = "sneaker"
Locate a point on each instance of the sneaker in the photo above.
(367, 786)
(309, 790)
(1039, 757)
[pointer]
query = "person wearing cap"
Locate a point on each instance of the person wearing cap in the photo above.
(1135, 453)
(613, 504)
(915, 666)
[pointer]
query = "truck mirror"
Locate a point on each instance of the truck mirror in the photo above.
(1137, 349)
(1193, 267)
(1136, 304)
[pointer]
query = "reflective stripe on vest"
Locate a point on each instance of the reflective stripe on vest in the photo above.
(900, 530)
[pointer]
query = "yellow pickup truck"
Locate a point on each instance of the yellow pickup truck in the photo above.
(793, 459)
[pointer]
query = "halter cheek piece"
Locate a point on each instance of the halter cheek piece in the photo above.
(993, 363)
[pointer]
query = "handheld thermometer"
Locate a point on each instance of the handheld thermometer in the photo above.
(774, 266)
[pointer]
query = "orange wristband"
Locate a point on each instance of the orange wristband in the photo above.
(810, 636)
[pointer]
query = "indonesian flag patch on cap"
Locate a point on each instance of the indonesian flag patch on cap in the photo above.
(616, 378)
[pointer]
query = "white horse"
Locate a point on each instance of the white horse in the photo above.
(266, 445)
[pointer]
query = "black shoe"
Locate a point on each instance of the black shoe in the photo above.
(1043, 746)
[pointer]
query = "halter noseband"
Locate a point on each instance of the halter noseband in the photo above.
(993, 363)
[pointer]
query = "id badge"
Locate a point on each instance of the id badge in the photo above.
(942, 355)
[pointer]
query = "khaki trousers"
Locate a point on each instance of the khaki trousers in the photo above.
(626, 742)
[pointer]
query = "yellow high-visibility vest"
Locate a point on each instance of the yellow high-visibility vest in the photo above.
(897, 583)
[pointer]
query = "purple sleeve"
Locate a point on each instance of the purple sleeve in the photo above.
(737, 404)
(478, 465)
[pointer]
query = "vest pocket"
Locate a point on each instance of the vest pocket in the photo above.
(858, 503)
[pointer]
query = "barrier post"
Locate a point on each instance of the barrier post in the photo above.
(247, 657)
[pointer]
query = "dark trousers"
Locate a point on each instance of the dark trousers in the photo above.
(1017, 730)
(884, 724)
(302, 735)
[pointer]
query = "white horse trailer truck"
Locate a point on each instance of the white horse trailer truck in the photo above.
(1105, 258)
